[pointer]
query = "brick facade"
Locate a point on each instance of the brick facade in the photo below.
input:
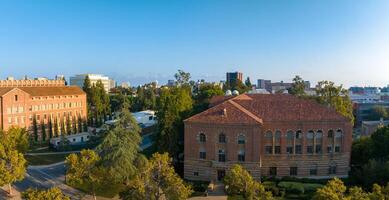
(20, 105)
(317, 148)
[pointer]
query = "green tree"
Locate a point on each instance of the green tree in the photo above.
(298, 87)
(335, 96)
(43, 131)
(12, 166)
(50, 194)
(35, 128)
(203, 96)
(15, 138)
(182, 78)
(84, 170)
(238, 181)
(68, 125)
(379, 192)
(120, 147)
(378, 112)
(51, 131)
(156, 180)
(248, 83)
(174, 105)
(56, 130)
(334, 190)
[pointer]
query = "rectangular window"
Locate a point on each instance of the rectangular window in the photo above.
(195, 173)
(9, 120)
(318, 148)
(289, 150)
(273, 171)
(241, 157)
(329, 149)
(222, 157)
(293, 171)
(268, 149)
(313, 171)
(299, 149)
(332, 170)
(309, 149)
(16, 97)
(203, 155)
(337, 149)
(277, 149)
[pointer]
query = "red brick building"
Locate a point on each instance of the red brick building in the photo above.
(270, 135)
(44, 101)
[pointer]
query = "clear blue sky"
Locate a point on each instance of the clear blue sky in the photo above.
(346, 41)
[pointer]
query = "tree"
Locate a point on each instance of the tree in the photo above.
(204, 94)
(83, 170)
(51, 131)
(248, 83)
(12, 166)
(174, 105)
(35, 128)
(379, 112)
(15, 138)
(68, 125)
(336, 97)
(238, 181)
(182, 78)
(298, 87)
(334, 190)
(120, 147)
(56, 130)
(43, 127)
(156, 180)
(50, 194)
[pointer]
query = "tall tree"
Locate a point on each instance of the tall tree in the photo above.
(156, 180)
(240, 182)
(12, 166)
(174, 105)
(50, 194)
(35, 128)
(51, 131)
(84, 170)
(43, 131)
(120, 147)
(335, 96)
(298, 87)
(248, 83)
(56, 130)
(182, 78)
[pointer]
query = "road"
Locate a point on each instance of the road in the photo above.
(46, 177)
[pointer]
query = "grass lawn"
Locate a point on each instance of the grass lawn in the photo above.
(109, 191)
(45, 159)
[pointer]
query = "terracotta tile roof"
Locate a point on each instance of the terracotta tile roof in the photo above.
(266, 108)
(47, 91)
(218, 99)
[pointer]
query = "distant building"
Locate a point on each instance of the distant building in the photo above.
(363, 110)
(280, 86)
(31, 103)
(125, 85)
(171, 83)
(232, 77)
(369, 127)
(74, 139)
(264, 84)
(79, 79)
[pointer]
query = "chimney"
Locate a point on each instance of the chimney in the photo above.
(224, 112)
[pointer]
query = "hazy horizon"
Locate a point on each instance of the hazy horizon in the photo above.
(343, 41)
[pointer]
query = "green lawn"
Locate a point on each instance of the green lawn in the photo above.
(109, 191)
(45, 159)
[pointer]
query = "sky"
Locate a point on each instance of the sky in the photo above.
(345, 41)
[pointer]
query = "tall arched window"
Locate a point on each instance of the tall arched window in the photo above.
(277, 144)
(338, 140)
(241, 139)
(290, 142)
(202, 138)
(269, 142)
(310, 137)
(269, 135)
(222, 138)
(330, 141)
(318, 141)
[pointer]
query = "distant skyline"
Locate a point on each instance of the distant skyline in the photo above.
(140, 41)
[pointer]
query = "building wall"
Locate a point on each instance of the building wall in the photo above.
(78, 80)
(31, 83)
(19, 111)
(256, 160)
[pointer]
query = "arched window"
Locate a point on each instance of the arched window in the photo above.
(319, 141)
(222, 138)
(202, 138)
(310, 135)
(241, 139)
(290, 135)
(338, 134)
(269, 135)
(277, 136)
(330, 134)
(222, 155)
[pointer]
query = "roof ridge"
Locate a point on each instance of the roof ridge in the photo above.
(244, 110)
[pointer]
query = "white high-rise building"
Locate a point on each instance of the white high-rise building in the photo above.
(80, 78)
